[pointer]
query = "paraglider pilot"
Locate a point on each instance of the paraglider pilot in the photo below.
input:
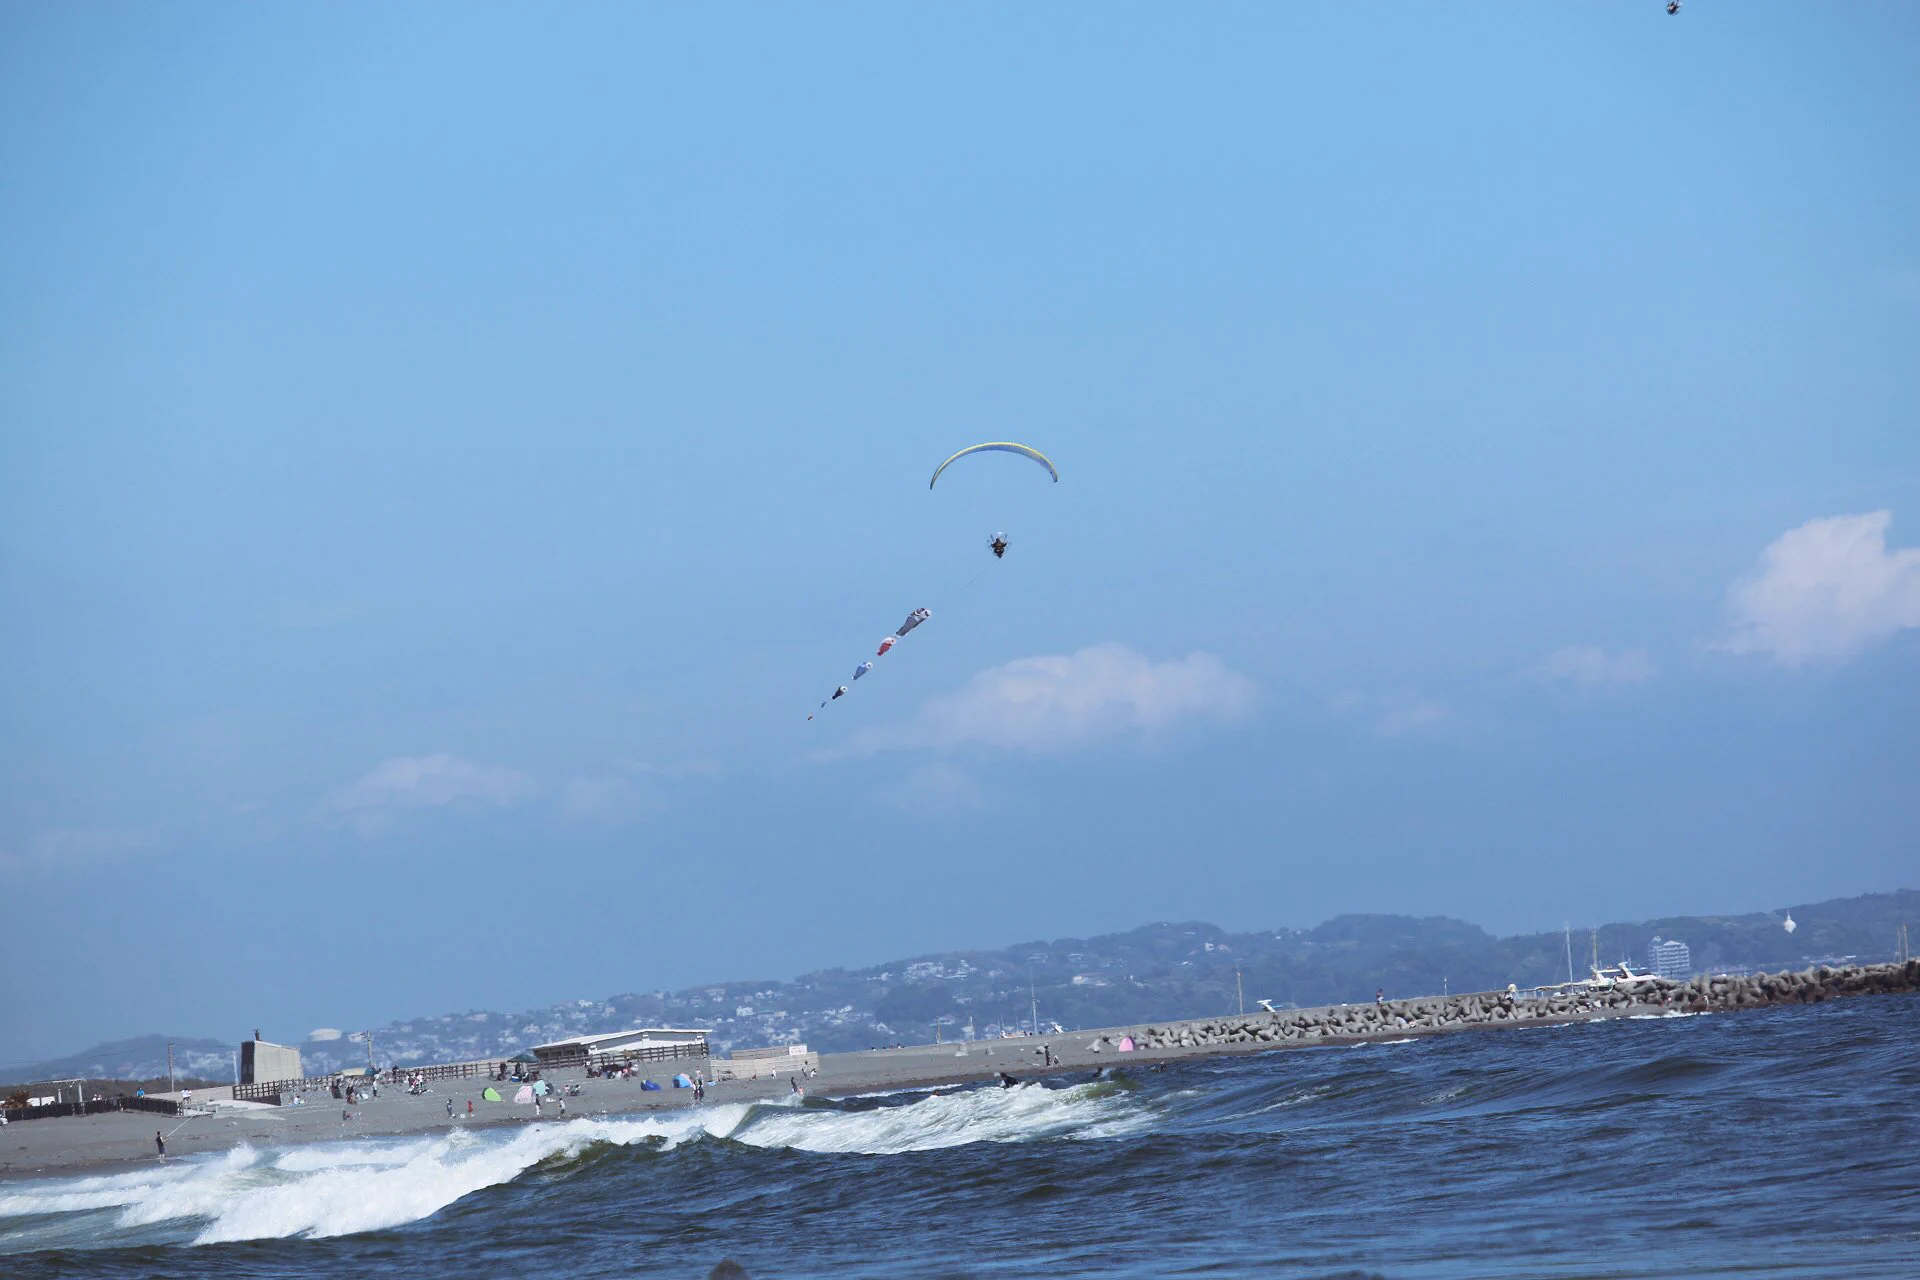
(998, 545)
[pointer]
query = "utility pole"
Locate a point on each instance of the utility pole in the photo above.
(1593, 936)
(169, 1066)
(355, 1035)
(1035, 998)
(1239, 991)
(1569, 928)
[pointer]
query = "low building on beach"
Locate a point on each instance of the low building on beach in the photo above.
(636, 1044)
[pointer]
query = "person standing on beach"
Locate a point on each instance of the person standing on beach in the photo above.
(469, 1108)
(160, 1143)
(449, 1108)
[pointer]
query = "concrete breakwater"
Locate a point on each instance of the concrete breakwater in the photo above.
(1490, 1009)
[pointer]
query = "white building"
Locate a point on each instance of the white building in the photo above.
(1670, 958)
(691, 1041)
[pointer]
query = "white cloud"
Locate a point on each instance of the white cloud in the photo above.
(1826, 590)
(1391, 715)
(1059, 701)
(430, 781)
(611, 799)
(70, 847)
(1589, 666)
(1404, 718)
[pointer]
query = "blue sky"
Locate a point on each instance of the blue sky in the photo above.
(445, 451)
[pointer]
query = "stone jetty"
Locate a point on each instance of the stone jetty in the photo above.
(1511, 1008)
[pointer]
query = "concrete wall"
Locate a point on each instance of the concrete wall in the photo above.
(738, 1068)
(261, 1061)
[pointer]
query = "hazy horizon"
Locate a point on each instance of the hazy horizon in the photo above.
(1790, 944)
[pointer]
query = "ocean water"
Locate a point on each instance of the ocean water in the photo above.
(1780, 1143)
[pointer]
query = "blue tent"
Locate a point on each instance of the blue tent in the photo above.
(682, 1082)
(649, 1086)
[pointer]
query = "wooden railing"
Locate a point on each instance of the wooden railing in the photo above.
(93, 1107)
(271, 1090)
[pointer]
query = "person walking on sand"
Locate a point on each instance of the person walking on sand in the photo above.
(449, 1108)
(160, 1143)
(469, 1108)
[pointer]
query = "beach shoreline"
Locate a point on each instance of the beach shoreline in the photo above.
(123, 1142)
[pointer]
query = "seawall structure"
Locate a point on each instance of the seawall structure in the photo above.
(1492, 1009)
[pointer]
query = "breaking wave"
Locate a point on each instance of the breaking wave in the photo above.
(328, 1189)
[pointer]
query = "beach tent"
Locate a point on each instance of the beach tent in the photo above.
(649, 1086)
(1126, 1044)
(682, 1082)
(540, 1088)
(525, 1094)
(490, 1094)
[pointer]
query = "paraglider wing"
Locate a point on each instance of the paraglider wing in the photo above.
(886, 644)
(1002, 446)
(862, 669)
(914, 619)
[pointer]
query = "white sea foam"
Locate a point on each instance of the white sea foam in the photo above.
(1024, 1113)
(341, 1188)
